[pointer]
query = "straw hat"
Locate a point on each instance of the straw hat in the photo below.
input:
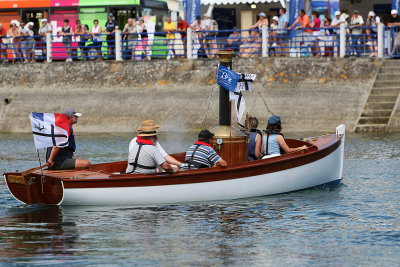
(148, 128)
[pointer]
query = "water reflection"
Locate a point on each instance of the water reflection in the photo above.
(36, 231)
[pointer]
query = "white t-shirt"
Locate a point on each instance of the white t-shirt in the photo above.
(45, 28)
(149, 156)
(356, 21)
(335, 22)
(162, 151)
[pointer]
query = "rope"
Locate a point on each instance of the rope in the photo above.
(209, 104)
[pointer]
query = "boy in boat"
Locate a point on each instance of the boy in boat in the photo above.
(144, 156)
(175, 164)
(273, 141)
(201, 154)
(62, 158)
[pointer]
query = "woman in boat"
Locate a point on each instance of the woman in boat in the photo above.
(273, 142)
(255, 139)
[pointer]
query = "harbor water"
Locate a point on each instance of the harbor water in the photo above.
(356, 223)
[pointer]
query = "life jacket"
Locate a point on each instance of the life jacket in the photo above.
(252, 143)
(141, 142)
(196, 164)
(268, 132)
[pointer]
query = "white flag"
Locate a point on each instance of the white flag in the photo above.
(244, 84)
(49, 129)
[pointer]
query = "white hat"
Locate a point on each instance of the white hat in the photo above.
(29, 23)
(394, 11)
(262, 14)
(17, 23)
(371, 14)
(275, 18)
(12, 22)
(337, 13)
(44, 20)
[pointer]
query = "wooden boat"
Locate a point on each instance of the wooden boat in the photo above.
(106, 184)
(320, 164)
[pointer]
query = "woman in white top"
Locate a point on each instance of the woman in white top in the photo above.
(97, 38)
(262, 20)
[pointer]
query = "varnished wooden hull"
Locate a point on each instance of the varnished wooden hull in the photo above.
(321, 164)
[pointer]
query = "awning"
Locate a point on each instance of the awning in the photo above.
(237, 2)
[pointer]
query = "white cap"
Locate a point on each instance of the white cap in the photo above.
(29, 23)
(394, 11)
(371, 14)
(337, 13)
(44, 20)
(275, 18)
(262, 14)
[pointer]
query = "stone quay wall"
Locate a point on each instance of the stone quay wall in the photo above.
(310, 95)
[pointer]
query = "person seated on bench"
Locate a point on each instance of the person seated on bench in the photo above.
(201, 154)
(273, 141)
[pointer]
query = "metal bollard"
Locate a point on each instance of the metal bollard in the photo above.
(265, 45)
(118, 46)
(48, 47)
(342, 40)
(380, 40)
(189, 43)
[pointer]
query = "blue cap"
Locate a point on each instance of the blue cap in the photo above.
(274, 119)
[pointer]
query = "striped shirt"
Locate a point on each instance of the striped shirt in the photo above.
(205, 156)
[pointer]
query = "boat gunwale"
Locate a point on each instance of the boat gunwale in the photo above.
(166, 179)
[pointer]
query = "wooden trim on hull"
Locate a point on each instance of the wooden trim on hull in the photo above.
(236, 171)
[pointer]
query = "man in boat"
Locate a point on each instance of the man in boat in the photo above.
(255, 140)
(144, 156)
(175, 164)
(201, 154)
(62, 158)
(273, 142)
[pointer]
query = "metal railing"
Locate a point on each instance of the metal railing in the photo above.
(381, 41)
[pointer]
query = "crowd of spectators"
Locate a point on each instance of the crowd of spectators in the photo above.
(318, 38)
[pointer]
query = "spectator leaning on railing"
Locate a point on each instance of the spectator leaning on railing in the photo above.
(110, 28)
(130, 31)
(316, 25)
(198, 26)
(82, 31)
(67, 33)
(305, 24)
(394, 21)
(181, 27)
(262, 21)
(328, 36)
(273, 33)
(43, 30)
(234, 40)
(211, 37)
(282, 33)
(97, 38)
(356, 22)
(3, 46)
(372, 22)
(170, 28)
(336, 21)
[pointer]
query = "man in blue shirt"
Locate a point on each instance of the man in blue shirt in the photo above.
(110, 28)
(282, 33)
(62, 158)
(201, 154)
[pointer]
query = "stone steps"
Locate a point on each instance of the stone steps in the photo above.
(371, 128)
(373, 120)
(388, 77)
(376, 112)
(392, 91)
(387, 84)
(382, 99)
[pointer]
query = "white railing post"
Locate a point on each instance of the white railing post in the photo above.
(189, 43)
(380, 40)
(342, 40)
(118, 46)
(48, 47)
(264, 36)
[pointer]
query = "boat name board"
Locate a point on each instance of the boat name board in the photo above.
(16, 179)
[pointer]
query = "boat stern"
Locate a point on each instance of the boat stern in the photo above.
(34, 188)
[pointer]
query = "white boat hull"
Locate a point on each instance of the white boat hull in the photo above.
(323, 171)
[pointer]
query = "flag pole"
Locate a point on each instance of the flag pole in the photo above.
(40, 162)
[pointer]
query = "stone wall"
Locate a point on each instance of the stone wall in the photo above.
(309, 94)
